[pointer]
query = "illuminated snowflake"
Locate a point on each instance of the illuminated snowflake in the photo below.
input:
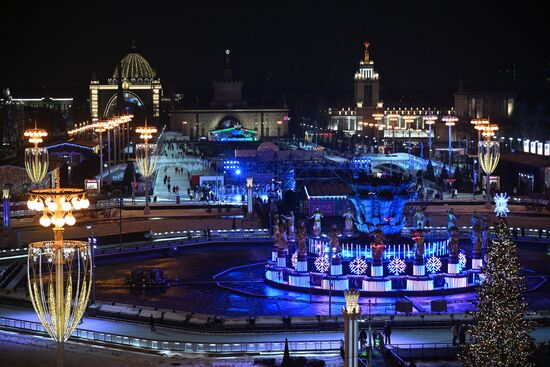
(322, 264)
(358, 266)
(461, 261)
(433, 265)
(294, 259)
(396, 266)
(501, 205)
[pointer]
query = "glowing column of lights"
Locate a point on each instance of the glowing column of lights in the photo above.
(351, 312)
(146, 158)
(36, 159)
(378, 116)
(489, 155)
(479, 123)
(100, 128)
(59, 272)
(393, 117)
(450, 121)
(430, 120)
(409, 119)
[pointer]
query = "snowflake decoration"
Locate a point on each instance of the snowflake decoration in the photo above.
(461, 261)
(501, 205)
(396, 266)
(294, 259)
(358, 266)
(433, 265)
(322, 264)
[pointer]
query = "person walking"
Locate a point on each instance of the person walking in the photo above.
(152, 323)
(454, 330)
(363, 339)
(462, 334)
(387, 333)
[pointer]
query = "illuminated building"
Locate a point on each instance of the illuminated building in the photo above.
(228, 117)
(139, 84)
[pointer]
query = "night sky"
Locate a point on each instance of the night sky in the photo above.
(277, 46)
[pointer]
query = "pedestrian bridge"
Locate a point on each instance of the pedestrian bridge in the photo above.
(401, 160)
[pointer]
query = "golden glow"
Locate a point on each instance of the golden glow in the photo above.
(57, 205)
(146, 158)
(489, 155)
(488, 130)
(146, 132)
(59, 274)
(450, 120)
(35, 135)
(36, 163)
(249, 181)
(430, 119)
(352, 302)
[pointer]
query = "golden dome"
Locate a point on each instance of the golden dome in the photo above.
(135, 69)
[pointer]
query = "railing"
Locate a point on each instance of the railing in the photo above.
(181, 346)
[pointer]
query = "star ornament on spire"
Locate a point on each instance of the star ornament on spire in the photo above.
(501, 205)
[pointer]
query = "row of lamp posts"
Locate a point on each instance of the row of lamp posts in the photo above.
(60, 272)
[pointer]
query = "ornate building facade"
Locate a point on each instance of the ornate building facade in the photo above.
(139, 84)
(228, 117)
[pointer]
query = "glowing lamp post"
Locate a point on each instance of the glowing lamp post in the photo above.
(430, 120)
(59, 272)
(409, 119)
(6, 207)
(479, 124)
(36, 159)
(100, 129)
(279, 123)
(249, 188)
(146, 158)
(351, 312)
(489, 155)
(378, 116)
(450, 121)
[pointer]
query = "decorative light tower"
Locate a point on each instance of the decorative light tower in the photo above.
(430, 120)
(378, 117)
(479, 124)
(36, 159)
(100, 128)
(394, 118)
(146, 157)
(279, 123)
(351, 312)
(489, 155)
(450, 121)
(249, 195)
(409, 119)
(59, 272)
(6, 207)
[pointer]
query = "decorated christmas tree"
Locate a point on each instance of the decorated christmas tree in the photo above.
(500, 331)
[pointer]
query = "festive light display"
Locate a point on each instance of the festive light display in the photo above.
(461, 261)
(146, 158)
(294, 259)
(500, 331)
(396, 266)
(36, 159)
(358, 266)
(321, 264)
(433, 264)
(501, 205)
(59, 272)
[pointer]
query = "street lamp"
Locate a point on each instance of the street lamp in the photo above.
(409, 119)
(100, 128)
(59, 271)
(36, 159)
(479, 124)
(146, 158)
(489, 155)
(450, 121)
(279, 123)
(93, 244)
(430, 120)
(393, 117)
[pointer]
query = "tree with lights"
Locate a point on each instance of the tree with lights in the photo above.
(500, 330)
